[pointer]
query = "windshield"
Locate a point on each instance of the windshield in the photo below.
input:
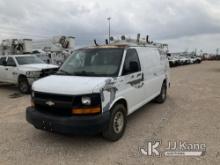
(23, 60)
(93, 62)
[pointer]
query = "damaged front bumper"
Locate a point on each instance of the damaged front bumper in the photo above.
(68, 124)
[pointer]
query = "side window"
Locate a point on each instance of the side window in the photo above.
(11, 62)
(132, 63)
(2, 59)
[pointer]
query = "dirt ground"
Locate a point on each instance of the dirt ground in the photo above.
(191, 113)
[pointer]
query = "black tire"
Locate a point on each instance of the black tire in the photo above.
(23, 85)
(163, 94)
(112, 133)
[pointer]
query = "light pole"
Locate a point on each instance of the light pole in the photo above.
(109, 28)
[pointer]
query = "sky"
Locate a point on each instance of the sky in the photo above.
(185, 25)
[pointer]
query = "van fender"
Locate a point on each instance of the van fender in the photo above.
(120, 100)
(116, 100)
(110, 87)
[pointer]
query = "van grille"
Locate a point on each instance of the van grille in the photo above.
(62, 104)
(55, 97)
(54, 110)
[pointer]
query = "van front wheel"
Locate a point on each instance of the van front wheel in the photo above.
(117, 123)
(163, 94)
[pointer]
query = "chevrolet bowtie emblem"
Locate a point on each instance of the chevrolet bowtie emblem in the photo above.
(50, 103)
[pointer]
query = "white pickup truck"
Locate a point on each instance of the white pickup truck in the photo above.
(23, 70)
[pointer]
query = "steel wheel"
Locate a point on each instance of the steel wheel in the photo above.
(118, 122)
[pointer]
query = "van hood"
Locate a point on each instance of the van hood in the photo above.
(69, 85)
(36, 67)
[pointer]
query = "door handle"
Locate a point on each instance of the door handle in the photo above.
(155, 74)
(6, 68)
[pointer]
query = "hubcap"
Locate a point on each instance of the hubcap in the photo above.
(118, 122)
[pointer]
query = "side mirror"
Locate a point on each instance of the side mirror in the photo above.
(133, 67)
(168, 55)
(4, 63)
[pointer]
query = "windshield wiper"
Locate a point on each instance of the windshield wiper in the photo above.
(84, 73)
(63, 72)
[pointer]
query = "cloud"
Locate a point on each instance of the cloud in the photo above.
(204, 43)
(164, 20)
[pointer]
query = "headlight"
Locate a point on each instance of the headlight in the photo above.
(33, 73)
(86, 100)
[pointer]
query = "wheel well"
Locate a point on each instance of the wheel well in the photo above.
(165, 81)
(21, 76)
(122, 101)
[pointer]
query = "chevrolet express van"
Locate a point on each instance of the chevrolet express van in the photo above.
(97, 88)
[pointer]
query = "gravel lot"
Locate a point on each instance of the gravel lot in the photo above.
(191, 113)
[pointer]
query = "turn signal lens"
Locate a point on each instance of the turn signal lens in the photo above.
(85, 111)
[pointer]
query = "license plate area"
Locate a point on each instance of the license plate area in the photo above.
(47, 126)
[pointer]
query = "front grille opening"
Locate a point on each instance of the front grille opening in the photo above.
(63, 103)
(54, 111)
(47, 96)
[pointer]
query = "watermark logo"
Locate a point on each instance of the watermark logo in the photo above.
(152, 148)
(182, 148)
(174, 148)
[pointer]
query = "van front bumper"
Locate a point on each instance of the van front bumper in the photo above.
(87, 125)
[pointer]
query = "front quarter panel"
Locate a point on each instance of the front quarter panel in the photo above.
(108, 92)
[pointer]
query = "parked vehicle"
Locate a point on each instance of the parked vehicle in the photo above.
(23, 70)
(192, 60)
(97, 88)
(197, 60)
(183, 60)
(173, 61)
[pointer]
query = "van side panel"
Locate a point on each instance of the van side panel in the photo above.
(153, 69)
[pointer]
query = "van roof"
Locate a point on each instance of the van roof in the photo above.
(127, 44)
(117, 46)
(111, 46)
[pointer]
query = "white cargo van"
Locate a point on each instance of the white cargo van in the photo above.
(98, 87)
